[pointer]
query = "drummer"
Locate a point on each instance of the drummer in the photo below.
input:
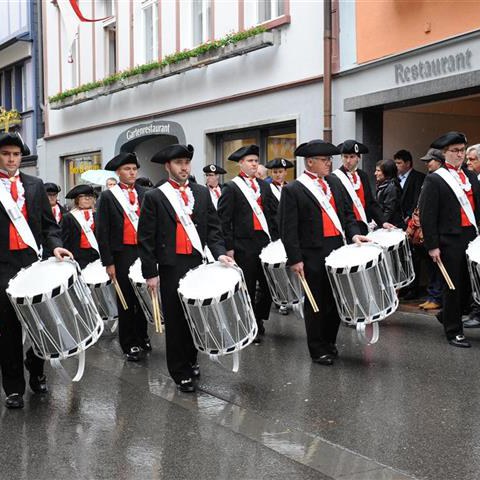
(212, 181)
(78, 223)
(116, 231)
(28, 193)
(58, 210)
(310, 231)
(278, 171)
(167, 251)
(363, 202)
(246, 230)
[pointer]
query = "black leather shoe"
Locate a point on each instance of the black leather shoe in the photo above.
(38, 384)
(257, 340)
(459, 341)
(196, 370)
(186, 386)
(147, 345)
(134, 354)
(14, 400)
(326, 359)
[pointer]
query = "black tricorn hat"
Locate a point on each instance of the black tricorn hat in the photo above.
(316, 147)
(279, 163)
(352, 146)
(51, 187)
(212, 168)
(237, 155)
(450, 138)
(14, 138)
(171, 152)
(80, 190)
(123, 158)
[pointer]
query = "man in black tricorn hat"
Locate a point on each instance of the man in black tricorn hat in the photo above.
(278, 168)
(58, 210)
(212, 180)
(117, 224)
(357, 187)
(169, 249)
(449, 215)
(247, 213)
(315, 217)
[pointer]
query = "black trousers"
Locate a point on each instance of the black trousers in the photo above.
(452, 251)
(250, 263)
(181, 351)
(132, 324)
(11, 347)
(322, 327)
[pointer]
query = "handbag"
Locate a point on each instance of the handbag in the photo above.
(414, 229)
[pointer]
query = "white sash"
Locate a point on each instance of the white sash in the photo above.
(127, 207)
(17, 218)
(317, 192)
(353, 195)
(276, 191)
(253, 203)
(80, 218)
(185, 220)
(460, 194)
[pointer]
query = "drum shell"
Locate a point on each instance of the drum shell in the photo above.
(474, 271)
(284, 285)
(144, 299)
(399, 261)
(105, 300)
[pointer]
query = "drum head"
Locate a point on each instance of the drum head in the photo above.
(41, 278)
(135, 272)
(95, 273)
(387, 238)
(473, 250)
(353, 256)
(274, 253)
(208, 281)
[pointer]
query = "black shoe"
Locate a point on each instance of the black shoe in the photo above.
(326, 359)
(196, 370)
(38, 383)
(147, 346)
(257, 340)
(459, 341)
(134, 354)
(186, 386)
(471, 323)
(14, 400)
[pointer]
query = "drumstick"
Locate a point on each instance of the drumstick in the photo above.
(120, 294)
(309, 294)
(445, 274)
(157, 315)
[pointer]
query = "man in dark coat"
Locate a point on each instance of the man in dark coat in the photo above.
(212, 181)
(309, 234)
(449, 215)
(58, 210)
(167, 253)
(117, 223)
(29, 194)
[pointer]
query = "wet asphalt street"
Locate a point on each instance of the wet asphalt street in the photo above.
(405, 408)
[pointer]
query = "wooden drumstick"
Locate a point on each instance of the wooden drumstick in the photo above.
(445, 274)
(157, 315)
(120, 294)
(308, 293)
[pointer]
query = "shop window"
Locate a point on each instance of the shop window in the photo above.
(150, 28)
(75, 165)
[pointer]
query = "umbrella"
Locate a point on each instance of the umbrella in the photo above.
(97, 177)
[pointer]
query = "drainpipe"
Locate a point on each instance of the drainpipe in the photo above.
(327, 70)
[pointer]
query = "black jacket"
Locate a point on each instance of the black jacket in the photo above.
(440, 211)
(389, 197)
(301, 224)
(109, 224)
(411, 192)
(236, 216)
(157, 229)
(40, 219)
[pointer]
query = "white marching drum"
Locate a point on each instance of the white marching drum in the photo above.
(362, 286)
(141, 290)
(103, 292)
(56, 309)
(397, 253)
(284, 285)
(218, 309)
(473, 262)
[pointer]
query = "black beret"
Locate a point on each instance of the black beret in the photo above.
(14, 138)
(123, 158)
(237, 155)
(316, 147)
(212, 168)
(433, 154)
(82, 189)
(450, 138)
(171, 152)
(279, 163)
(51, 187)
(352, 146)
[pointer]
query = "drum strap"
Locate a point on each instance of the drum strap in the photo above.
(57, 365)
(460, 194)
(362, 333)
(317, 192)
(80, 218)
(275, 191)
(18, 220)
(349, 187)
(127, 207)
(247, 192)
(185, 220)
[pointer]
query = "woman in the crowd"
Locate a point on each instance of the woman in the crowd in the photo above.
(389, 192)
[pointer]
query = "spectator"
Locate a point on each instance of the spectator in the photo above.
(111, 182)
(473, 159)
(389, 192)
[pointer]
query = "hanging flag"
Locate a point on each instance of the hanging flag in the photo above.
(76, 9)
